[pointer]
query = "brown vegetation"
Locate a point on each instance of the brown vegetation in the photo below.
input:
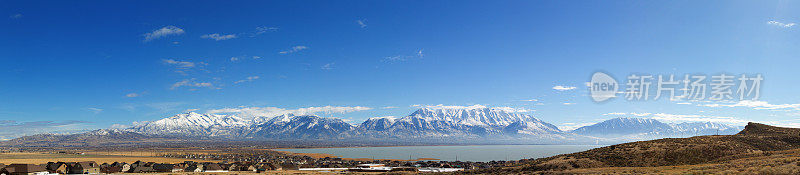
(757, 144)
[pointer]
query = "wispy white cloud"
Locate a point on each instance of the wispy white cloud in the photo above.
(248, 79)
(510, 109)
(792, 123)
(192, 83)
(184, 67)
(163, 32)
(119, 126)
(253, 112)
(676, 118)
(294, 49)
(95, 110)
(328, 66)
(262, 30)
(403, 58)
(473, 107)
(164, 107)
(758, 105)
(15, 16)
(362, 23)
(13, 129)
(131, 95)
(567, 103)
(389, 107)
(179, 64)
(563, 88)
(781, 24)
(572, 126)
(530, 100)
(396, 58)
(244, 57)
(219, 37)
(696, 118)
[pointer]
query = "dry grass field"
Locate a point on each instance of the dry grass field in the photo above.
(758, 149)
(778, 162)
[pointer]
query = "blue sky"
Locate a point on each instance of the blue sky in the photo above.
(91, 64)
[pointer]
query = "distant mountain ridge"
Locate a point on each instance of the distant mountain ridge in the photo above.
(471, 124)
(647, 129)
(423, 123)
(194, 124)
(474, 122)
(289, 126)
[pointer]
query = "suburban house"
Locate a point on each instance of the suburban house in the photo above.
(213, 167)
(57, 167)
(89, 167)
(24, 169)
(142, 169)
(194, 168)
(110, 169)
(167, 168)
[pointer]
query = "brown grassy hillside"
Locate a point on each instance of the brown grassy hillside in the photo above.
(753, 140)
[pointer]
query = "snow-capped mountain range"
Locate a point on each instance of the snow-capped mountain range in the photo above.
(289, 126)
(424, 123)
(646, 129)
(194, 124)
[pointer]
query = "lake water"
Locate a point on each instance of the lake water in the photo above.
(476, 153)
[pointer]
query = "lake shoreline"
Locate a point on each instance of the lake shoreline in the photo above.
(482, 153)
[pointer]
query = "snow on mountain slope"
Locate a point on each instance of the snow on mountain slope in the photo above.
(474, 116)
(194, 124)
(705, 128)
(536, 127)
(630, 129)
(377, 124)
(430, 122)
(300, 127)
(623, 126)
(469, 122)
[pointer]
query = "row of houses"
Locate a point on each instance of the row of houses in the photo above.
(91, 167)
(51, 168)
(306, 162)
(22, 169)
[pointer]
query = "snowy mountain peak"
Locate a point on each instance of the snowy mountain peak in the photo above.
(470, 121)
(645, 129)
(281, 118)
(300, 127)
(472, 115)
(377, 123)
(193, 124)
